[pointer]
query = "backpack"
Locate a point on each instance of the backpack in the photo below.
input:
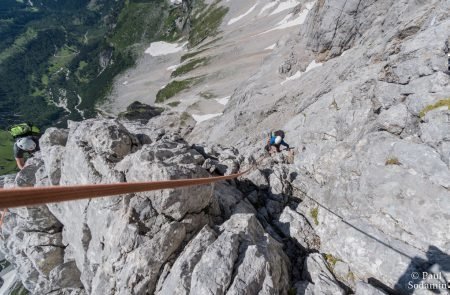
(24, 129)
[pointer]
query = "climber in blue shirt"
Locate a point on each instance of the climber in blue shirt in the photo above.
(275, 142)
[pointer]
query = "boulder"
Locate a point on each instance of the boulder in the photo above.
(323, 281)
(178, 280)
(138, 111)
(53, 136)
(294, 225)
(32, 241)
(242, 260)
(435, 133)
(394, 119)
(65, 276)
(166, 160)
(52, 145)
(227, 198)
(27, 176)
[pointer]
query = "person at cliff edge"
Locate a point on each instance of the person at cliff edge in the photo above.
(26, 136)
(25, 146)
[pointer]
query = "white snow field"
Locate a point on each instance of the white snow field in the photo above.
(201, 118)
(163, 48)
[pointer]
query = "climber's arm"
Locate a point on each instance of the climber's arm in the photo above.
(20, 163)
(283, 143)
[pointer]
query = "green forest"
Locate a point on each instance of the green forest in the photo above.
(58, 58)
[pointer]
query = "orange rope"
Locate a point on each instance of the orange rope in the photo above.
(32, 196)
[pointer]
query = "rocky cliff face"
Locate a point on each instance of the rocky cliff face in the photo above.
(360, 87)
(370, 127)
(216, 239)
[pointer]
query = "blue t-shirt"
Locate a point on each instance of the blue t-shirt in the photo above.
(272, 141)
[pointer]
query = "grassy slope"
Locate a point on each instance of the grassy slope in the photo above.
(175, 87)
(189, 66)
(205, 23)
(439, 104)
(7, 163)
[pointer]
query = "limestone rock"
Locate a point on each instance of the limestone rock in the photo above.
(316, 271)
(257, 178)
(7, 180)
(32, 241)
(140, 112)
(228, 198)
(52, 145)
(140, 275)
(296, 226)
(27, 176)
(165, 160)
(362, 288)
(179, 278)
(64, 276)
(394, 119)
(243, 259)
(435, 132)
(53, 136)
(366, 154)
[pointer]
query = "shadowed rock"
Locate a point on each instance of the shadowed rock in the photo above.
(138, 111)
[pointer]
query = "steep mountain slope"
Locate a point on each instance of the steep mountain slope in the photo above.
(370, 127)
(201, 77)
(58, 58)
(361, 89)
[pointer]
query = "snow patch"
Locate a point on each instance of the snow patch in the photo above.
(345, 52)
(310, 5)
(201, 118)
(163, 48)
(285, 5)
(291, 21)
(236, 19)
(297, 75)
(224, 100)
(293, 77)
(8, 280)
(312, 65)
(267, 7)
(271, 47)
(173, 68)
(176, 1)
(125, 83)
